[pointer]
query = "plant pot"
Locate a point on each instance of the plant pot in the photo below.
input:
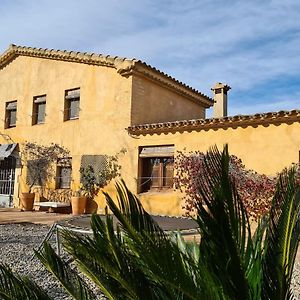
(91, 206)
(78, 205)
(27, 200)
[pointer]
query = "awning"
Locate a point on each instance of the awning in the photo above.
(159, 151)
(6, 150)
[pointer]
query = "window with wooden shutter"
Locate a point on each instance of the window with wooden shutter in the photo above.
(64, 174)
(156, 168)
(11, 114)
(39, 110)
(72, 101)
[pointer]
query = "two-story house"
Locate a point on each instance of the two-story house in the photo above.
(96, 105)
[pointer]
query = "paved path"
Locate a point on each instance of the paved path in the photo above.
(14, 215)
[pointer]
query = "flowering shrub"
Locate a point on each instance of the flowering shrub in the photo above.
(255, 189)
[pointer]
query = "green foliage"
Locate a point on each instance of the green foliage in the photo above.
(92, 182)
(135, 259)
(14, 287)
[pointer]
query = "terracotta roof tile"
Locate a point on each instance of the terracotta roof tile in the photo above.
(216, 123)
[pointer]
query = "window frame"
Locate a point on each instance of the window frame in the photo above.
(68, 101)
(37, 102)
(8, 114)
(146, 169)
(63, 164)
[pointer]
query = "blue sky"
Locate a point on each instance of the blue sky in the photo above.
(254, 46)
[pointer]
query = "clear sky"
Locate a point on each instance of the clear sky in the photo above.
(254, 45)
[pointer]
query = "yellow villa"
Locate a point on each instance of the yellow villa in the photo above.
(96, 105)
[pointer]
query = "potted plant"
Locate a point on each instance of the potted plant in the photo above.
(78, 202)
(92, 182)
(40, 161)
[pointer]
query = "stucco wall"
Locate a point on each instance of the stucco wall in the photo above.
(264, 149)
(105, 102)
(153, 103)
(104, 106)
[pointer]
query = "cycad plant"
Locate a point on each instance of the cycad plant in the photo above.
(135, 259)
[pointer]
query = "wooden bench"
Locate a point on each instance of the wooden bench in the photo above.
(54, 206)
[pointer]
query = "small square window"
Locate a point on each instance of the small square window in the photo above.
(39, 110)
(10, 114)
(64, 173)
(72, 100)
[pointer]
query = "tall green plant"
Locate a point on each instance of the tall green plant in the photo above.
(135, 259)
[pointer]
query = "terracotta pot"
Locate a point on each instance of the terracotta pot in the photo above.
(78, 205)
(27, 200)
(91, 206)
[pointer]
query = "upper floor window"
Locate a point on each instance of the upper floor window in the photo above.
(156, 165)
(71, 108)
(10, 114)
(39, 110)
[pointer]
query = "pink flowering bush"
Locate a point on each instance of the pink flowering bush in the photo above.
(255, 189)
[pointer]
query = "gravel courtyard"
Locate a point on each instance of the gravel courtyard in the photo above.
(18, 240)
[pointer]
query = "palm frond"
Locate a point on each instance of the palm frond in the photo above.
(136, 260)
(224, 226)
(69, 279)
(15, 287)
(282, 238)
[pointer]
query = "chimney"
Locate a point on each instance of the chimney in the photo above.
(220, 98)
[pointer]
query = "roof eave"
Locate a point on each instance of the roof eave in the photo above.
(264, 119)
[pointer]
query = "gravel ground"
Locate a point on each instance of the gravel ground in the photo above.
(16, 250)
(18, 240)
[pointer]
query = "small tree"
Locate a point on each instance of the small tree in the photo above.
(41, 162)
(255, 189)
(92, 182)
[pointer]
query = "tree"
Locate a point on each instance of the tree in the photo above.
(92, 182)
(137, 260)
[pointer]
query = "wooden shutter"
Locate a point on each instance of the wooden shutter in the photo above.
(168, 172)
(65, 177)
(155, 173)
(41, 112)
(12, 119)
(74, 108)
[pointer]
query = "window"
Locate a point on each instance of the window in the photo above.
(156, 168)
(39, 110)
(71, 109)
(64, 172)
(11, 114)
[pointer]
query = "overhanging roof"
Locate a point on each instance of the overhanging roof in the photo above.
(6, 150)
(124, 67)
(264, 119)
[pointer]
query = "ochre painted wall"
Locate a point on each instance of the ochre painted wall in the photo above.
(153, 103)
(104, 106)
(105, 102)
(264, 149)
